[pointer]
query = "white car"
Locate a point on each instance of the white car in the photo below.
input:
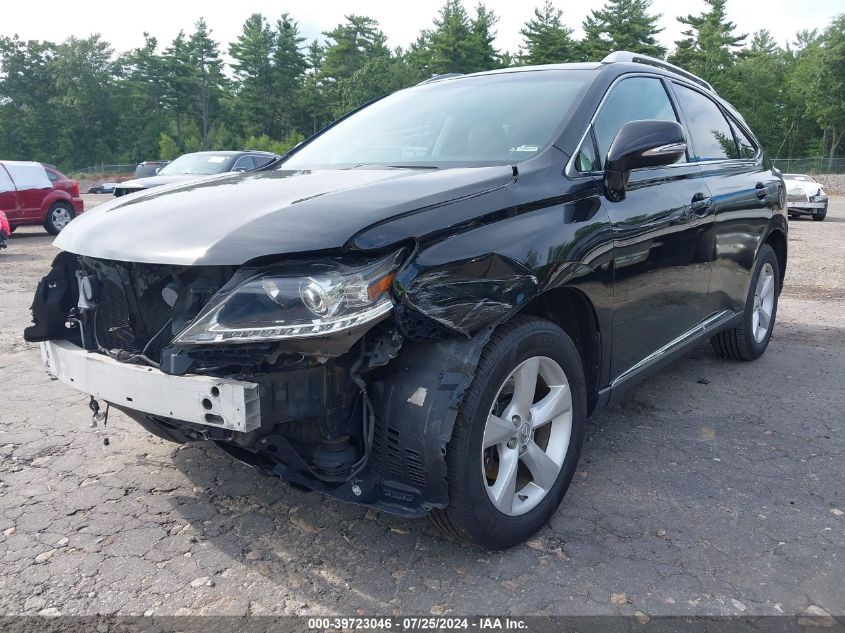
(805, 196)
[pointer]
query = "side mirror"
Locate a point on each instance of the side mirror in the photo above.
(639, 144)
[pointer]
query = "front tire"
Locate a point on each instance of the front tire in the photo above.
(58, 217)
(750, 338)
(821, 216)
(517, 436)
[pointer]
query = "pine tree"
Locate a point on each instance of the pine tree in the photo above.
(289, 64)
(142, 97)
(352, 44)
(207, 70)
(621, 25)
(179, 87)
(311, 113)
(547, 39)
(484, 55)
(451, 42)
(709, 45)
(252, 54)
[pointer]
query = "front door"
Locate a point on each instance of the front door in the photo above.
(662, 235)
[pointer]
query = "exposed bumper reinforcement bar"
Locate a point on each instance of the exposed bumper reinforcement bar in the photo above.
(217, 402)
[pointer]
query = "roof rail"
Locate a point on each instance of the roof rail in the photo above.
(637, 58)
(439, 78)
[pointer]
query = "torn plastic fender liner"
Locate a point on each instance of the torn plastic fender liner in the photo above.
(465, 296)
(415, 407)
(55, 295)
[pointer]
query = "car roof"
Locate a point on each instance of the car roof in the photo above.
(22, 163)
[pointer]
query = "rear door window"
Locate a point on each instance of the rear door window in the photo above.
(747, 148)
(631, 100)
(711, 133)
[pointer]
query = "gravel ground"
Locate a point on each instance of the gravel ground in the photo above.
(715, 488)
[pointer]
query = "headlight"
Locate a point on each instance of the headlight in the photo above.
(319, 298)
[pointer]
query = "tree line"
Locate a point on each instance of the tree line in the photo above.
(79, 103)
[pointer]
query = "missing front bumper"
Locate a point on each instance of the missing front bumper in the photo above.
(216, 402)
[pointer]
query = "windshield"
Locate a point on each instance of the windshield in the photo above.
(503, 118)
(203, 164)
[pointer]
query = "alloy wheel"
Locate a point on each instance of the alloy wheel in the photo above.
(764, 302)
(526, 436)
(60, 217)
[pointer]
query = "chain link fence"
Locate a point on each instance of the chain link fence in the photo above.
(106, 169)
(816, 165)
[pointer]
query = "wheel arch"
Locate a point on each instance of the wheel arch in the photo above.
(571, 309)
(53, 198)
(777, 240)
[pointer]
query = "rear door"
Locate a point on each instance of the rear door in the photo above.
(743, 193)
(662, 250)
(8, 196)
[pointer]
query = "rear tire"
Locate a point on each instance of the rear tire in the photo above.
(483, 510)
(58, 217)
(750, 338)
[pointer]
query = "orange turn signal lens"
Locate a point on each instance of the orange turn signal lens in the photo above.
(377, 289)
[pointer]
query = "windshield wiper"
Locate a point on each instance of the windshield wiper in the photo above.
(383, 166)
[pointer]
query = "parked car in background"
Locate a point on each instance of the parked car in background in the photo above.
(149, 168)
(420, 307)
(196, 165)
(805, 196)
(106, 187)
(35, 193)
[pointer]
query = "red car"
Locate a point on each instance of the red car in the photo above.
(34, 193)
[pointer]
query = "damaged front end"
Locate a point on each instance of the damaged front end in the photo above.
(297, 368)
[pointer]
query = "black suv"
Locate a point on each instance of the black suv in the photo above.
(192, 166)
(419, 309)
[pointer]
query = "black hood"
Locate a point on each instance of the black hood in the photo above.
(233, 218)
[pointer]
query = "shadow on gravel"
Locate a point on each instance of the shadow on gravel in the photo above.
(696, 469)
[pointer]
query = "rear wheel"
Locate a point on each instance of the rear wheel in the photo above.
(517, 437)
(750, 338)
(58, 217)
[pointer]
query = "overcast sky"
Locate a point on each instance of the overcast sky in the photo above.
(123, 24)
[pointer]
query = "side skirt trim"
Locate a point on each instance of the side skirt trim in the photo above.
(674, 348)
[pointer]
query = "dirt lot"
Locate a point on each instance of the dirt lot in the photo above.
(716, 488)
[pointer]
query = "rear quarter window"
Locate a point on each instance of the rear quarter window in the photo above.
(29, 175)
